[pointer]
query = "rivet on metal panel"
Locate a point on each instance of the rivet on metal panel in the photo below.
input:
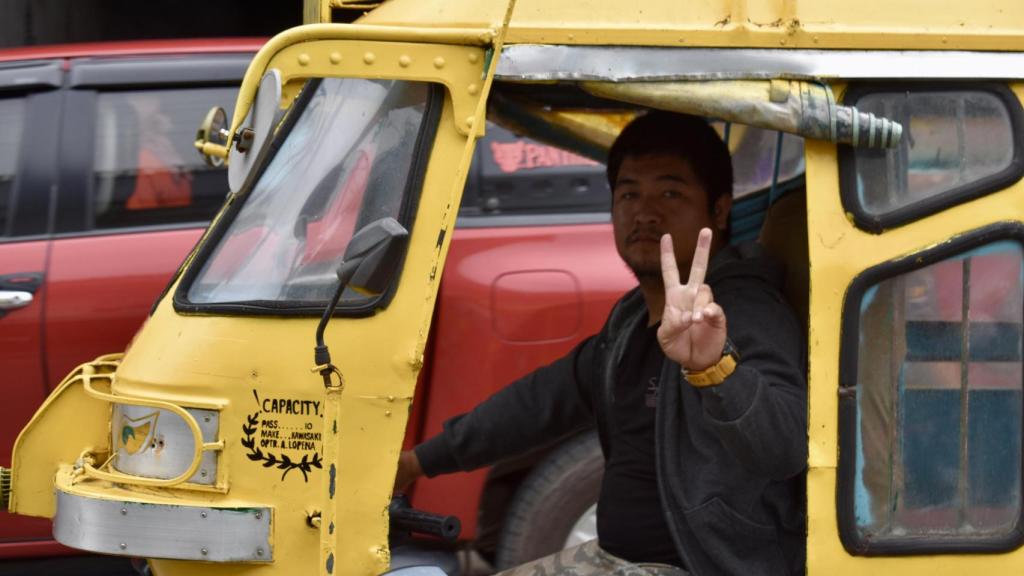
(204, 551)
(391, 398)
(124, 511)
(369, 57)
(259, 551)
(335, 57)
(123, 545)
(473, 89)
(439, 62)
(470, 121)
(202, 514)
(404, 61)
(474, 57)
(387, 413)
(202, 473)
(259, 515)
(206, 419)
(303, 59)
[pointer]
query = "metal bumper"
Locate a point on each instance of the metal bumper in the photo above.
(97, 517)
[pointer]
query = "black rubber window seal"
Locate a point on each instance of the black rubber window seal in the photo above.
(878, 223)
(846, 487)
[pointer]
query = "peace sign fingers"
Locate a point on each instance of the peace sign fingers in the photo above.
(693, 327)
(669, 268)
(699, 266)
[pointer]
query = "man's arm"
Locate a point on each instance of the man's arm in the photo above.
(538, 409)
(760, 410)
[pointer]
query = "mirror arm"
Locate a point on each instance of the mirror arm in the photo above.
(322, 355)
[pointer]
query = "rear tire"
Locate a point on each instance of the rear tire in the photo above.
(561, 489)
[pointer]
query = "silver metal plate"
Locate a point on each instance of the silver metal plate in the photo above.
(156, 443)
(543, 63)
(163, 531)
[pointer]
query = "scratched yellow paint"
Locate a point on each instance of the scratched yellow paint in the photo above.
(868, 24)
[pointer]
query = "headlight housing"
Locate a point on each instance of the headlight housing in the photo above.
(156, 443)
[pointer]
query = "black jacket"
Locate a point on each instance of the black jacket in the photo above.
(730, 458)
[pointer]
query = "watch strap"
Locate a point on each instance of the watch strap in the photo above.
(716, 373)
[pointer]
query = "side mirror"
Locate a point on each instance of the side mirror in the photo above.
(212, 137)
(370, 261)
(372, 256)
(255, 130)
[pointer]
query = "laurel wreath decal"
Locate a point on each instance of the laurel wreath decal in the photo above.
(270, 460)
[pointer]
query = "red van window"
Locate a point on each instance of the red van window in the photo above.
(146, 170)
(11, 118)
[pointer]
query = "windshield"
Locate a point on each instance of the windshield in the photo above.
(345, 163)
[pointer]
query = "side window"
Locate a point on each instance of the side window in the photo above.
(958, 143)
(12, 113)
(932, 405)
(515, 175)
(146, 170)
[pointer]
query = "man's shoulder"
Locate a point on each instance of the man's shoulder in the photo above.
(745, 265)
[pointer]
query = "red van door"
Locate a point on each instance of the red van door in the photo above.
(29, 104)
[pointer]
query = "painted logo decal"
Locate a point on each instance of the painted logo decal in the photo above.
(136, 433)
(519, 155)
(285, 433)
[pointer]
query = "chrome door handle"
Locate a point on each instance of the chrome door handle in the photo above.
(11, 299)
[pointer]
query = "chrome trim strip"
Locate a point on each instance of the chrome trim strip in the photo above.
(163, 531)
(544, 63)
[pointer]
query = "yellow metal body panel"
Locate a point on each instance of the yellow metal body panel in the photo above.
(67, 424)
(327, 52)
(239, 362)
(838, 252)
(869, 24)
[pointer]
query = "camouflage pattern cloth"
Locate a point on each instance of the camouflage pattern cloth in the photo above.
(588, 559)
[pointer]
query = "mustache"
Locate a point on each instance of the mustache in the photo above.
(644, 235)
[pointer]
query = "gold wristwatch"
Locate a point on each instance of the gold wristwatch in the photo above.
(718, 372)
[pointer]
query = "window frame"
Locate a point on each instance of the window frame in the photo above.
(848, 407)
(436, 96)
(879, 223)
(90, 77)
(29, 215)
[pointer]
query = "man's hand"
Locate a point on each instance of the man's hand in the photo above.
(692, 330)
(408, 470)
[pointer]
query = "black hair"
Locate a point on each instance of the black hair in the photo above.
(688, 137)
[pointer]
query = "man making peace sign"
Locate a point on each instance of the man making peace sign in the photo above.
(704, 475)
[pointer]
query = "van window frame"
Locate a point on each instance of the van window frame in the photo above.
(879, 223)
(848, 407)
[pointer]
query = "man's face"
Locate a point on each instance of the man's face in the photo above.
(657, 194)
